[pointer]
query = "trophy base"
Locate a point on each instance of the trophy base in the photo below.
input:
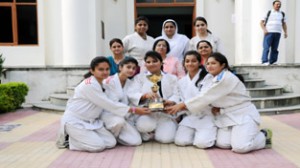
(156, 106)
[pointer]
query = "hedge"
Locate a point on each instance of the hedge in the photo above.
(12, 95)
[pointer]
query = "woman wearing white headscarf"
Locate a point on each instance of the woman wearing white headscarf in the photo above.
(179, 43)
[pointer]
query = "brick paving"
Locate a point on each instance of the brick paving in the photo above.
(31, 143)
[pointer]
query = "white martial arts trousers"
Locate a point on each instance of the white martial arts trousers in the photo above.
(89, 140)
(124, 132)
(200, 133)
(241, 138)
(163, 126)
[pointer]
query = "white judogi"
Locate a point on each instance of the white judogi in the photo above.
(121, 127)
(239, 119)
(179, 43)
(81, 120)
(198, 128)
(136, 47)
(162, 123)
(214, 41)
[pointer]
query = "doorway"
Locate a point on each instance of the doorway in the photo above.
(157, 15)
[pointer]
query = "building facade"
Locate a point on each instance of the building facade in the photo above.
(56, 39)
(72, 32)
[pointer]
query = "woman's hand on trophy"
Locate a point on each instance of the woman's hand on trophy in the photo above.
(215, 111)
(168, 103)
(142, 111)
(176, 108)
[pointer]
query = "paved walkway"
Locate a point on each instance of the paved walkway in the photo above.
(27, 141)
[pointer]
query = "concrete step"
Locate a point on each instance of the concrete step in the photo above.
(287, 99)
(48, 106)
(280, 110)
(265, 91)
(245, 75)
(59, 99)
(254, 83)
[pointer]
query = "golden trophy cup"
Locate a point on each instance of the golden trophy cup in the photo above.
(157, 103)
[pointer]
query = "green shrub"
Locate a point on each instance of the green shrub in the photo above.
(12, 95)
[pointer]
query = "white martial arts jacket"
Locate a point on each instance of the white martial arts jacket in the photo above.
(188, 90)
(227, 92)
(114, 89)
(85, 107)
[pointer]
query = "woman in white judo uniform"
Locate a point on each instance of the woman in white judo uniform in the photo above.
(158, 125)
(179, 43)
(81, 128)
(195, 129)
(236, 117)
(116, 88)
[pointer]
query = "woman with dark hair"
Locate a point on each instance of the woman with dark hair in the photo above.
(138, 43)
(117, 49)
(117, 87)
(202, 33)
(198, 130)
(179, 43)
(205, 49)
(157, 125)
(171, 64)
(81, 127)
(236, 117)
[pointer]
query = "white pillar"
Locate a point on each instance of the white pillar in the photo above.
(288, 46)
(242, 32)
(297, 33)
(258, 10)
(53, 32)
(78, 25)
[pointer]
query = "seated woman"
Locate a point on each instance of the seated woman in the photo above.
(171, 64)
(81, 128)
(236, 117)
(117, 89)
(158, 125)
(195, 129)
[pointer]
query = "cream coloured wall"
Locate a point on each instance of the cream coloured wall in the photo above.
(119, 21)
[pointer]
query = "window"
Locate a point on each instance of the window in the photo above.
(18, 22)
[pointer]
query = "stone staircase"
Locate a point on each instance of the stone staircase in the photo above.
(269, 99)
(57, 101)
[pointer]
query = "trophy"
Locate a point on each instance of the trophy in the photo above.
(157, 103)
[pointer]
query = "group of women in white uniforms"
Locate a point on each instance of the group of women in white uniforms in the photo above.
(208, 106)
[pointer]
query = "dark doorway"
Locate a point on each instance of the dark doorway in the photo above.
(157, 15)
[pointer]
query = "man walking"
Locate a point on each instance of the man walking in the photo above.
(272, 25)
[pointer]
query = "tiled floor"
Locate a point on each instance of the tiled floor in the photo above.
(31, 144)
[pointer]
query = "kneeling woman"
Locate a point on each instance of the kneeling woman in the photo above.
(81, 128)
(117, 89)
(158, 125)
(236, 117)
(195, 129)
